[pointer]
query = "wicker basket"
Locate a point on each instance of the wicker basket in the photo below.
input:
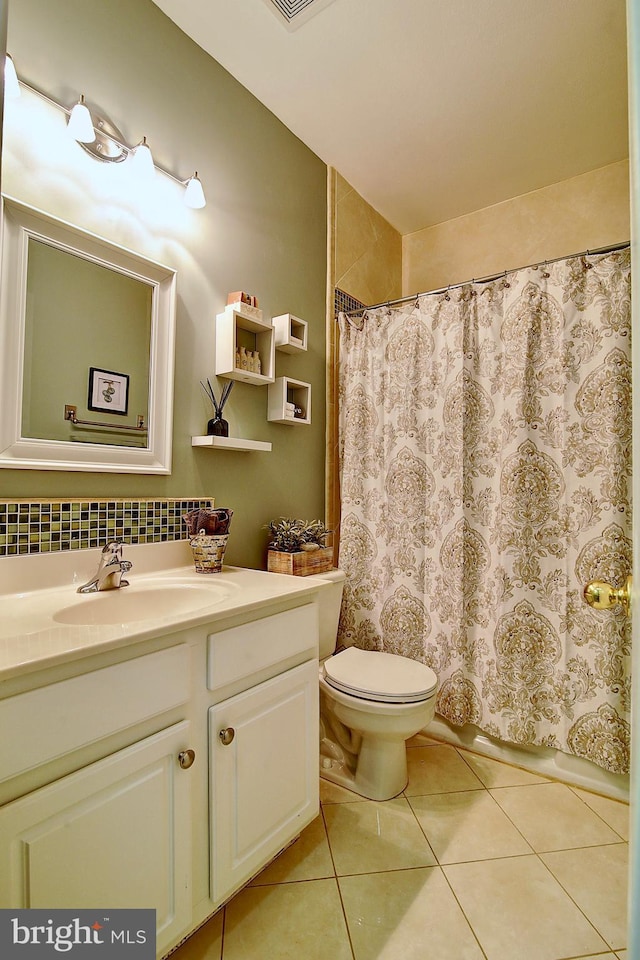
(208, 552)
(305, 563)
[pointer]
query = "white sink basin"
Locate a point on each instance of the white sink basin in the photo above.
(141, 602)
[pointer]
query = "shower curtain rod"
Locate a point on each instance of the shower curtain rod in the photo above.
(494, 276)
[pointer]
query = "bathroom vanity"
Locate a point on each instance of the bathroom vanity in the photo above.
(158, 761)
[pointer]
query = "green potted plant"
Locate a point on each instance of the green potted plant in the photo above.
(298, 547)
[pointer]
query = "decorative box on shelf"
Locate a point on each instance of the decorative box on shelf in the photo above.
(289, 401)
(302, 563)
(291, 333)
(238, 335)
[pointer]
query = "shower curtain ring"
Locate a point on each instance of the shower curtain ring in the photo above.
(505, 282)
(446, 296)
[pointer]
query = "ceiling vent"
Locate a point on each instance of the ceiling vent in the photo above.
(293, 13)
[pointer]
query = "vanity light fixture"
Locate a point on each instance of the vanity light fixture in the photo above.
(194, 194)
(11, 85)
(101, 139)
(141, 160)
(80, 125)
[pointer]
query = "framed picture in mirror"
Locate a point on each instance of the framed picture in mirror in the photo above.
(108, 391)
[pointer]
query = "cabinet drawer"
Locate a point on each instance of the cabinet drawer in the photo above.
(253, 647)
(46, 723)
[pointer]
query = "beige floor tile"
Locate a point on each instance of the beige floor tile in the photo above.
(406, 915)
(494, 773)
(551, 817)
(309, 858)
(596, 878)
(205, 943)
(334, 793)
(467, 826)
(613, 812)
(288, 921)
(423, 740)
(518, 910)
(367, 837)
(438, 769)
(621, 955)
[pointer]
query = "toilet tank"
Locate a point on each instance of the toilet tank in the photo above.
(329, 602)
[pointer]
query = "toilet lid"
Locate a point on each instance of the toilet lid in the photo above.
(386, 677)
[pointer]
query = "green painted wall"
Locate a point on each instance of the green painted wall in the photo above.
(263, 231)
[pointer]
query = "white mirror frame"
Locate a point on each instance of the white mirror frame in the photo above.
(20, 223)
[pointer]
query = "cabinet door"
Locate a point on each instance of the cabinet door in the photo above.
(264, 779)
(115, 834)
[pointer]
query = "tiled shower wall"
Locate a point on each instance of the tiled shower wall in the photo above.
(367, 250)
(365, 267)
(47, 526)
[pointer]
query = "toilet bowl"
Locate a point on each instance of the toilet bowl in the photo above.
(371, 703)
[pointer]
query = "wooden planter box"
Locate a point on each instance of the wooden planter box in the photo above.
(306, 563)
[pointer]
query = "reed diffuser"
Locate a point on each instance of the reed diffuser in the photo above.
(217, 426)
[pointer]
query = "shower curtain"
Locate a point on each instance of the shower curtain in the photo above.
(485, 466)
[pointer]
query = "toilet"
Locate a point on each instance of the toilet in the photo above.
(371, 703)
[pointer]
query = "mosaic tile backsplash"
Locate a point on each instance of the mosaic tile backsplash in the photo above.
(45, 527)
(344, 302)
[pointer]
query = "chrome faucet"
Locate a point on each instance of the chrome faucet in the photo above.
(110, 569)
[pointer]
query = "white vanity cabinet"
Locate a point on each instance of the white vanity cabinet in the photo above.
(263, 743)
(263, 773)
(116, 832)
(163, 772)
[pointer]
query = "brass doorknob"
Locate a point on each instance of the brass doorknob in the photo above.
(603, 596)
(226, 736)
(186, 758)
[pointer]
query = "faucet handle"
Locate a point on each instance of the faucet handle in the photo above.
(113, 548)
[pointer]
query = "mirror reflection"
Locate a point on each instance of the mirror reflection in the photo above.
(87, 344)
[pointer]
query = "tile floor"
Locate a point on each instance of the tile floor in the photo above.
(476, 860)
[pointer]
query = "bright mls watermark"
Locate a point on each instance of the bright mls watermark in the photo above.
(78, 934)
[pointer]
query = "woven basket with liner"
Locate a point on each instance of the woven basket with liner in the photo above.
(209, 532)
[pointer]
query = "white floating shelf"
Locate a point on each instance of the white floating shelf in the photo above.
(234, 329)
(291, 333)
(231, 443)
(284, 390)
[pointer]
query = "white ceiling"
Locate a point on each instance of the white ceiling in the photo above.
(433, 108)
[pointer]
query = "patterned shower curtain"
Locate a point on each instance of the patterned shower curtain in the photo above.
(485, 462)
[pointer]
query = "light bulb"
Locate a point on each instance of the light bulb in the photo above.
(142, 160)
(11, 85)
(194, 194)
(80, 124)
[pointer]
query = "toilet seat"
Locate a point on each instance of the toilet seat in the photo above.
(385, 677)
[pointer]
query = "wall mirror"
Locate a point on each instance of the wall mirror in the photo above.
(86, 366)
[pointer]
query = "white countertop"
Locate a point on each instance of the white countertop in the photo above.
(31, 638)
